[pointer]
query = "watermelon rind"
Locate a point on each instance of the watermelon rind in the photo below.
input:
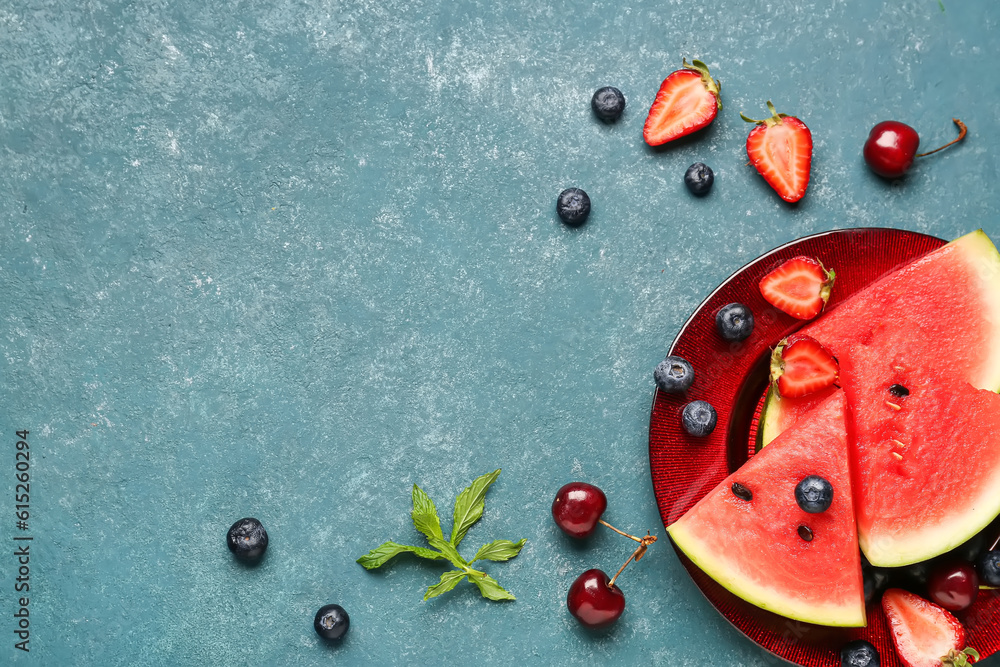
(768, 426)
(774, 418)
(983, 255)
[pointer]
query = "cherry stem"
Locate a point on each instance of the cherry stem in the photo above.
(640, 551)
(620, 532)
(962, 131)
(995, 542)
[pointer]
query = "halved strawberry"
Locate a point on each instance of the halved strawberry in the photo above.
(801, 365)
(800, 287)
(687, 101)
(781, 147)
(925, 634)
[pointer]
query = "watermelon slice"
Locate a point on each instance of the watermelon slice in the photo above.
(954, 294)
(925, 465)
(779, 413)
(758, 549)
(926, 449)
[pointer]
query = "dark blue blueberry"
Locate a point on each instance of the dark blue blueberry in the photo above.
(247, 539)
(969, 551)
(608, 103)
(699, 178)
(673, 375)
(876, 580)
(573, 206)
(988, 568)
(331, 622)
(912, 577)
(814, 494)
(699, 418)
(859, 653)
(734, 322)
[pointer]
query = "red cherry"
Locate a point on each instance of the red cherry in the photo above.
(594, 601)
(890, 148)
(954, 586)
(578, 507)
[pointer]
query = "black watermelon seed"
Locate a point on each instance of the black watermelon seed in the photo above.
(805, 533)
(742, 492)
(899, 391)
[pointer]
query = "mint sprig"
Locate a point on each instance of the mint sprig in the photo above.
(469, 507)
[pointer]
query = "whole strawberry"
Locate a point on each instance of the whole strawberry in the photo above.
(780, 147)
(687, 101)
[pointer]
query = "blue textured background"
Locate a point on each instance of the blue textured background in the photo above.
(286, 259)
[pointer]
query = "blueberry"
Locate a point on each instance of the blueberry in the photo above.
(912, 577)
(573, 206)
(247, 539)
(970, 550)
(734, 322)
(608, 103)
(699, 178)
(699, 418)
(331, 622)
(673, 375)
(876, 580)
(988, 568)
(814, 494)
(859, 653)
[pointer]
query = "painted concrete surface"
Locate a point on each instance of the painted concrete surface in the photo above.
(287, 259)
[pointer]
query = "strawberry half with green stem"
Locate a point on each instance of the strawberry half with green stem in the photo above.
(687, 101)
(780, 147)
(801, 365)
(799, 287)
(925, 634)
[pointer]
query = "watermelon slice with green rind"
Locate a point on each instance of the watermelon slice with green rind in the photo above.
(754, 548)
(954, 292)
(925, 461)
(933, 324)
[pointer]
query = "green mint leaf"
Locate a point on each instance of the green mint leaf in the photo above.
(498, 550)
(469, 505)
(425, 516)
(448, 581)
(380, 555)
(450, 552)
(489, 587)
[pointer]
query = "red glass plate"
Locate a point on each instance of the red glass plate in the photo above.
(733, 378)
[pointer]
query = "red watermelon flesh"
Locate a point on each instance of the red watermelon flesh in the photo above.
(926, 465)
(754, 548)
(779, 413)
(952, 292)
